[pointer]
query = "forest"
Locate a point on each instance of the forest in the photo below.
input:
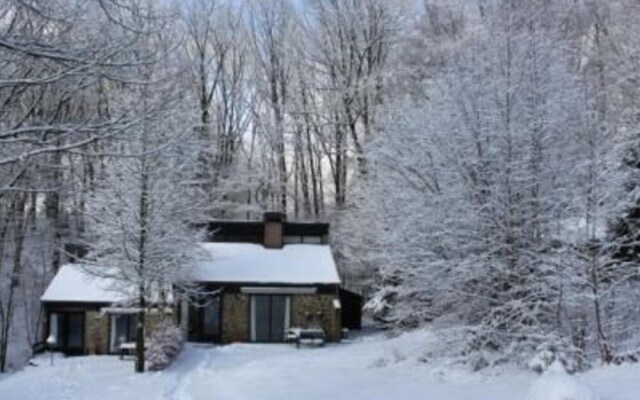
(478, 160)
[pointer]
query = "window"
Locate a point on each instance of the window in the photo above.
(53, 329)
(75, 330)
(204, 319)
(68, 330)
(123, 330)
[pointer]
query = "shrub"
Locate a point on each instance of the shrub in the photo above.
(166, 343)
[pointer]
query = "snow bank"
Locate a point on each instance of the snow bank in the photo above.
(371, 367)
(557, 384)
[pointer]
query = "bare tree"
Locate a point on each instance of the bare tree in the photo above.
(272, 26)
(219, 58)
(144, 210)
(61, 63)
(351, 43)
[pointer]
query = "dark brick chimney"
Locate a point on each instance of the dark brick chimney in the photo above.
(273, 222)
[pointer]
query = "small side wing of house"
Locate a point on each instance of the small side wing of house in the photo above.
(88, 314)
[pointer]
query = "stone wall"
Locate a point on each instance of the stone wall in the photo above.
(308, 311)
(97, 329)
(96, 332)
(235, 317)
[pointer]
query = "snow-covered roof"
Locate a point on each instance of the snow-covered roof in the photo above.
(253, 263)
(299, 264)
(73, 283)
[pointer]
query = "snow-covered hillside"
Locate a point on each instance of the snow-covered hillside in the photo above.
(372, 367)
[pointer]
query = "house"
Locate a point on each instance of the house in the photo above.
(259, 279)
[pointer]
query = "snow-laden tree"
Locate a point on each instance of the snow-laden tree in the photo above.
(272, 29)
(53, 54)
(218, 57)
(62, 63)
(143, 214)
(608, 73)
(350, 43)
(144, 209)
(491, 186)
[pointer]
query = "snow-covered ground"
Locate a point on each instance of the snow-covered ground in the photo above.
(372, 367)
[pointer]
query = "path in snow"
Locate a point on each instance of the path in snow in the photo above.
(371, 369)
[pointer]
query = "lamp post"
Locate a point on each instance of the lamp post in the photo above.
(51, 342)
(121, 340)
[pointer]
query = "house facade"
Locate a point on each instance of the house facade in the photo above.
(256, 280)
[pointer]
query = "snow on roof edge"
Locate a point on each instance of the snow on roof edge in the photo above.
(72, 284)
(237, 263)
(245, 263)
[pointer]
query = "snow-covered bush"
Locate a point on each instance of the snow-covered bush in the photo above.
(547, 354)
(557, 384)
(166, 343)
(380, 304)
(542, 359)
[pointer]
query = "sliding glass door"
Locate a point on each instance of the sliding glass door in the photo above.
(75, 331)
(204, 320)
(67, 328)
(269, 317)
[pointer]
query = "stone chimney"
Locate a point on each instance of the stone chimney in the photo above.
(273, 230)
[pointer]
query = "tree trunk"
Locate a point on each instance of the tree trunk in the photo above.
(606, 353)
(16, 270)
(140, 359)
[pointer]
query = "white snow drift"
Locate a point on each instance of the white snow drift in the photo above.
(371, 368)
